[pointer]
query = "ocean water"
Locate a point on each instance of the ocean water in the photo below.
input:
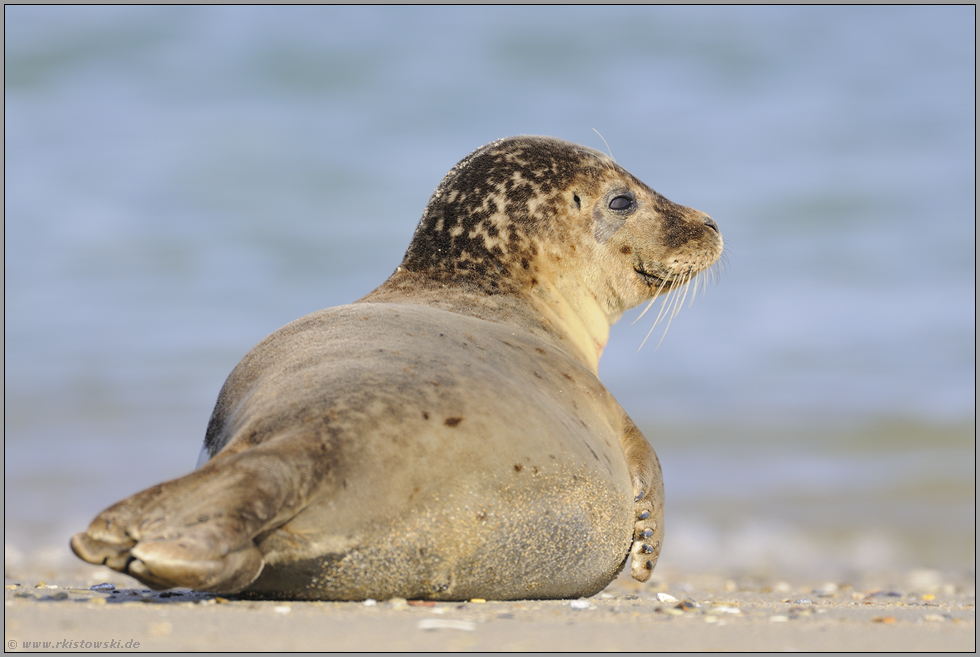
(181, 181)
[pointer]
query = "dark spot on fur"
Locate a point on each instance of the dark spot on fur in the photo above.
(540, 350)
(425, 416)
(626, 250)
(453, 421)
(518, 467)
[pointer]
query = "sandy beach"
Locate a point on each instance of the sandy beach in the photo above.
(918, 610)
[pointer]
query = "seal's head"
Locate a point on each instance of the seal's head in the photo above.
(563, 225)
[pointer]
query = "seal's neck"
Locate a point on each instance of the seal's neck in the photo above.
(558, 307)
(574, 313)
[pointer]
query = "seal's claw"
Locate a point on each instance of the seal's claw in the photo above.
(116, 556)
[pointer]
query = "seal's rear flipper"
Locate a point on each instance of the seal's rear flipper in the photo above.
(199, 531)
(157, 564)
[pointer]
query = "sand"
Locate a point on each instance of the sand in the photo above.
(918, 610)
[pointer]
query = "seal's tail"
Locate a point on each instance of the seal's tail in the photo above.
(199, 530)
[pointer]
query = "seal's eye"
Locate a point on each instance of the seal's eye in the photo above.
(620, 203)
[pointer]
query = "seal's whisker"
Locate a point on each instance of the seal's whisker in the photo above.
(670, 317)
(606, 143)
(681, 293)
(698, 280)
(655, 295)
(663, 307)
(644, 311)
(666, 310)
(673, 302)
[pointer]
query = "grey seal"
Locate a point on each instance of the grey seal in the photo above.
(445, 437)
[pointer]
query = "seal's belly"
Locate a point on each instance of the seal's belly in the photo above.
(555, 536)
(466, 459)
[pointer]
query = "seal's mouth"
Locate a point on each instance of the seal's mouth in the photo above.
(650, 279)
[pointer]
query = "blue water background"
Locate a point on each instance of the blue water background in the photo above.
(181, 181)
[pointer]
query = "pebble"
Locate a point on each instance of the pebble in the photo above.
(828, 590)
(579, 604)
(370, 602)
(724, 609)
(779, 619)
(282, 609)
(666, 597)
(103, 587)
(446, 624)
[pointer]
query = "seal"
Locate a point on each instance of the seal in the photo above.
(445, 437)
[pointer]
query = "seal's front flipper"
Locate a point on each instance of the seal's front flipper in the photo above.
(198, 531)
(648, 501)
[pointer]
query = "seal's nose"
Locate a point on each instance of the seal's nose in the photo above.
(710, 223)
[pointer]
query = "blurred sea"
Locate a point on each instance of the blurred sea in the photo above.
(181, 181)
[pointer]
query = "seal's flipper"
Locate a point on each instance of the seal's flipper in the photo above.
(198, 531)
(648, 501)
